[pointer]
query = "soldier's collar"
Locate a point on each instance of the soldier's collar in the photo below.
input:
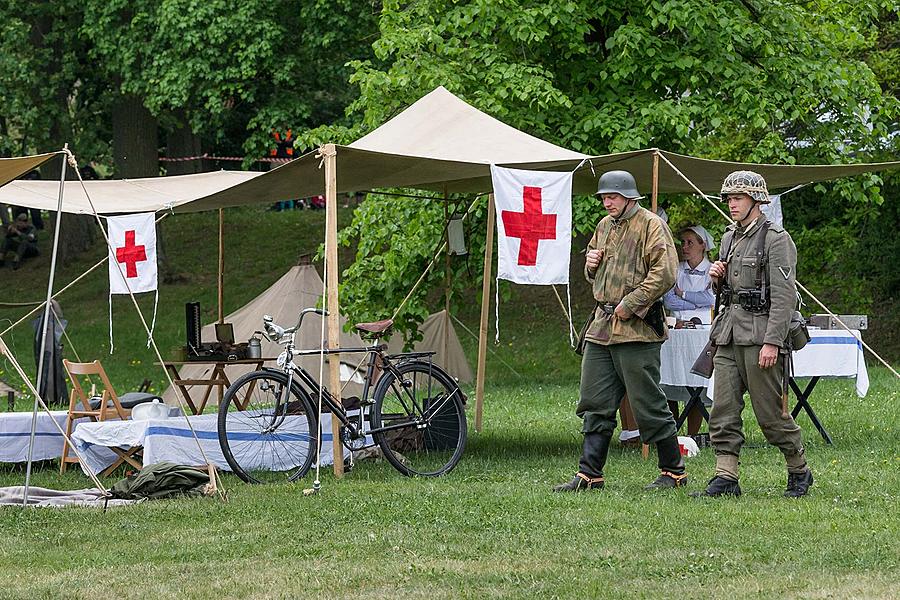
(751, 227)
(629, 213)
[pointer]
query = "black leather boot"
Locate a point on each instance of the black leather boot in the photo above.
(719, 486)
(798, 484)
(594, 450)
(671, 466)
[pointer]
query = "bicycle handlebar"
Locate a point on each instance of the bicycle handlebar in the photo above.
(275, 332)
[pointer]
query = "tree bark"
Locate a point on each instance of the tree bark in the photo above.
(136, 154)
(181, 142)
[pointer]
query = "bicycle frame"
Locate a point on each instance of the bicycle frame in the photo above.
(298, 374)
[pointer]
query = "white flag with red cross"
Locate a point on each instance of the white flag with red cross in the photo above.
(534, 225)
(132, 253)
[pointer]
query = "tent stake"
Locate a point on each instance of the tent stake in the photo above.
(331, 270)
(485, 307)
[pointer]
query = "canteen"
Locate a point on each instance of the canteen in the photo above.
(254, 348)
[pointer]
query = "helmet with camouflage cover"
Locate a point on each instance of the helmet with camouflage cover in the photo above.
(746, 182)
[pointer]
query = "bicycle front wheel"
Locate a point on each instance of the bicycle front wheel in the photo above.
(421, 410)
(266, 436)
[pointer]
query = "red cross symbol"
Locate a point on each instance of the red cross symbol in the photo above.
(130, 254)
(530, 226)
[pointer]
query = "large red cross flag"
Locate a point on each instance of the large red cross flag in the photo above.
(534, 225)
(132, 253)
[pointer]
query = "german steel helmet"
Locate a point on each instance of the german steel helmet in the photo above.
(618, 182)
(746, 182)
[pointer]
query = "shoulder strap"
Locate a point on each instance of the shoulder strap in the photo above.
(761, 258)
(725, 248)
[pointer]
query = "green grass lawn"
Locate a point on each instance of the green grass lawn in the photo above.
(492, 527)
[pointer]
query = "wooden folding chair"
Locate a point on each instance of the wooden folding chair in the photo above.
(103, 407)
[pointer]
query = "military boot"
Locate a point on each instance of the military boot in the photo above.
(671, 466)
(719, 486)
(798, 484)
(590, 467)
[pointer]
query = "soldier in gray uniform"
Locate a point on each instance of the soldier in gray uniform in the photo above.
(756, 272)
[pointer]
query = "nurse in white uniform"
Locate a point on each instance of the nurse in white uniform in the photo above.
(692, 297)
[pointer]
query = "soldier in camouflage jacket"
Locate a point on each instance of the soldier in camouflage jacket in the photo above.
(631, 262)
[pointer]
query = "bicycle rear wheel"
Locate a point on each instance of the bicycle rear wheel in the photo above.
(423, 411)
(264, 440)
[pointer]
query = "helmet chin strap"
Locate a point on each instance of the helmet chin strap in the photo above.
(747, 214)
(627, 206)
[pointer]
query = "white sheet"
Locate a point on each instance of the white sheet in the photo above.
(171, 440)
(15, 430)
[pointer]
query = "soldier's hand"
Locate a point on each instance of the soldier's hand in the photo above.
(768, 356)
(623, 312)
(717, 269)
(592, 259)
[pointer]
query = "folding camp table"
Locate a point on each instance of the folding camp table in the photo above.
(216, 379)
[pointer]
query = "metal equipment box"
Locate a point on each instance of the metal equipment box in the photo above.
(859, 322)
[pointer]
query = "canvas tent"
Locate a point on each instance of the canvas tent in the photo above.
(439, 336)
(299, 288)
(439, 142)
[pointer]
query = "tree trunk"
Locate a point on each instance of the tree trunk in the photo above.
(135, 139)
(136, 154)
(181, 142)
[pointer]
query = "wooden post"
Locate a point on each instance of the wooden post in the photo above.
(446, 341)
(221, 263)
(331, 275)
(485, 308)
(655, 190)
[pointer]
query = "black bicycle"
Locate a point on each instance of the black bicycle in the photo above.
(268, 422)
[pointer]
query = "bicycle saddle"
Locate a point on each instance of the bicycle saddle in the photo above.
(375, 329)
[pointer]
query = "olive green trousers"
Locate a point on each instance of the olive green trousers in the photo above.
(737, 371)
(607, 373)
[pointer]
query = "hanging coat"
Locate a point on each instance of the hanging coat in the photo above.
(52, 385)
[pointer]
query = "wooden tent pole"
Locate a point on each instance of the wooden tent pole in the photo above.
(446, 340)
(221, 264)
(331, 274)
(485, 307)
(655, 191)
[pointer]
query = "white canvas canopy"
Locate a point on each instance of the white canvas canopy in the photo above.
(438, 142)
(299, 288)
(439, 336)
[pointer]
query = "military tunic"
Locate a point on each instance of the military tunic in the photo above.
(637, 267)
(739, 335)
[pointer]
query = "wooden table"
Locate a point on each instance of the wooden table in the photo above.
(218, 378)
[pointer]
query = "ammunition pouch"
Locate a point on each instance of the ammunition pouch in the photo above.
(753, 300)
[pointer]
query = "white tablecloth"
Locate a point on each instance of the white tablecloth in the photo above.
(830, 353)
(678, 354)
(165, 440)
(15, 430)
(833, 353)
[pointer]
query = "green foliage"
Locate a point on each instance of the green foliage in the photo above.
(230, 72)
(740, 80)
(393, 252)
(48, 95)
(256, 64)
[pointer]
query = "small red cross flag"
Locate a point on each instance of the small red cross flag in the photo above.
(132, 253)
(534, 225)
